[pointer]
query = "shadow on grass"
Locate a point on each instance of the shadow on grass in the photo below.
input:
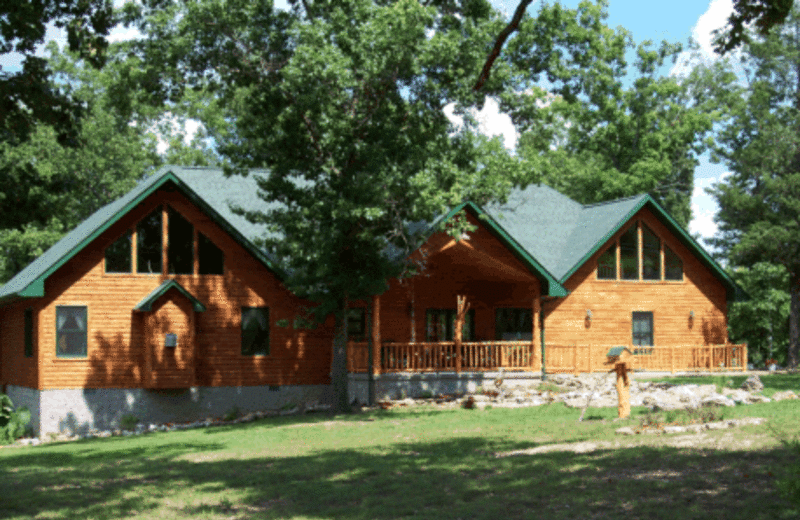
(453, 478)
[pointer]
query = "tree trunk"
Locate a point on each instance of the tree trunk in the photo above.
(794, 322)
(341, 396)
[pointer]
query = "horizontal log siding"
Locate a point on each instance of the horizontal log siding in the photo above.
(612, 303)
(15, 368)
(116, 341)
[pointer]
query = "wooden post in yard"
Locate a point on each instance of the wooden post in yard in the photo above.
(461, 312)
(535, 320)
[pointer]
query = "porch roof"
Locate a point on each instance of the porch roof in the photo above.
(146, 305)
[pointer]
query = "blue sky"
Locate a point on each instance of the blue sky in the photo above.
(676, 20)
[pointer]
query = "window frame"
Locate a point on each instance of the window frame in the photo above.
(129, 235)
(159, 210)
(265, 351)
(28, 332)
(643, 317)
(449, 328)
(85, 332)
(519, 313)
(639, 229)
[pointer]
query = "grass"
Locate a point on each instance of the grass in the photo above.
(420, 462)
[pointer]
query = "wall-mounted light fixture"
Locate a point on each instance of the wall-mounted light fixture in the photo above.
(589, 314)
(691, 315)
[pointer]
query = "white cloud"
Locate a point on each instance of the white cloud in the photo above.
(491, 122)
(715, 17)
(704, 207)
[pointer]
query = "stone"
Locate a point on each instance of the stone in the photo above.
(717, 399)
(782, 396)
(753, 384)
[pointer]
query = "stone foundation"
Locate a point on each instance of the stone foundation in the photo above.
(400, 385)
(76, 411)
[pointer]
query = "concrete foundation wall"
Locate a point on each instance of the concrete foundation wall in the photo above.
(24, 396)
(398, 385)
(80, 410)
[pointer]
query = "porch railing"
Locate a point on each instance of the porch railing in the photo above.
(522, 355)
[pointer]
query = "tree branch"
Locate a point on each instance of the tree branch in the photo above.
(501, 40)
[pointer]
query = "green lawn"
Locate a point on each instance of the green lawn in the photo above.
(411, 463)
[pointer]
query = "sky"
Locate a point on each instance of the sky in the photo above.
(676, 20)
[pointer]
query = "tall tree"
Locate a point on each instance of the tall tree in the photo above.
(49, 188)
(586, 133)
(763, 15)
(759, 217)
(344, 103)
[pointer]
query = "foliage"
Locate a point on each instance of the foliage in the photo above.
(759, 217)
(762, 319)
(343, 103)
(28, 95)
(128, 422)
(49, 189)
(789, 484)
(13, 422)
(763, 15)
(588, 135)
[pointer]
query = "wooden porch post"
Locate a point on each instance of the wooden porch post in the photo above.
(536, 311)
(461, 312)
(376, 334)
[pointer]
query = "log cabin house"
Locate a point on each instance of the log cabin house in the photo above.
(161, 306)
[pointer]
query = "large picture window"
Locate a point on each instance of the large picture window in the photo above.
(651, 255)
(439, 325)
(148, 243)
(211, 258)
(180, 249)
(513, 324)
(607, 264)
(255, 331)
(71, 331)
(118, 255)
(673, 267)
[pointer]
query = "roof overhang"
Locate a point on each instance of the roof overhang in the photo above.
(146, 305)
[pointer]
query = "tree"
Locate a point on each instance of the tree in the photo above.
(344, 103)
(762, 14)
(28, 96)
(761, 320)
(50, 188)
(759, 217)
(588, 135)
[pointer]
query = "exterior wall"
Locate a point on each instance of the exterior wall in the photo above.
(170, 367)
(488, 274)
(612, 303)
(79, 410)
(400, 385)
(116, 334)
(15, 367)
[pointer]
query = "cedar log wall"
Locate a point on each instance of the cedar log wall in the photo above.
(116, 334)
(484, 270)
(612, 302)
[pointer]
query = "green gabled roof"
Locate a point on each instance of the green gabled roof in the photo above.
(200, 185)
(146, 305)
(553, 287)
(563, 234)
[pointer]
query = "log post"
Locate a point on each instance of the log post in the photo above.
(575, 359)
(534, 333)
(623, 390)
(462, 306)
(672, 358)
(376, 334)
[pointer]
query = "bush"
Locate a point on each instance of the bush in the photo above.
(128, 422)
(12, 422)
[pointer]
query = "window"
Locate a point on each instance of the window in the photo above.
(651, 255)
(255, 331)
(356, 324)
(211, 258)
(28, 332)
(439, 324)
(180, 248)
(673, 266)
(118, 255)
(642, 329)
(513, 324)
(71, 331)
(607, 264)
(148, 243)
(629, 254)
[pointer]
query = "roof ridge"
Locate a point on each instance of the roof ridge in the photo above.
(614, 201)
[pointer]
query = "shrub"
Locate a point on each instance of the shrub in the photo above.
(232, 414)
(12, 422)
(128, 422)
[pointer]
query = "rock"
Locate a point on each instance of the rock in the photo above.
(755, 398)
(782, 396)
(717, 399)
(753, 384)
(626, 430)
